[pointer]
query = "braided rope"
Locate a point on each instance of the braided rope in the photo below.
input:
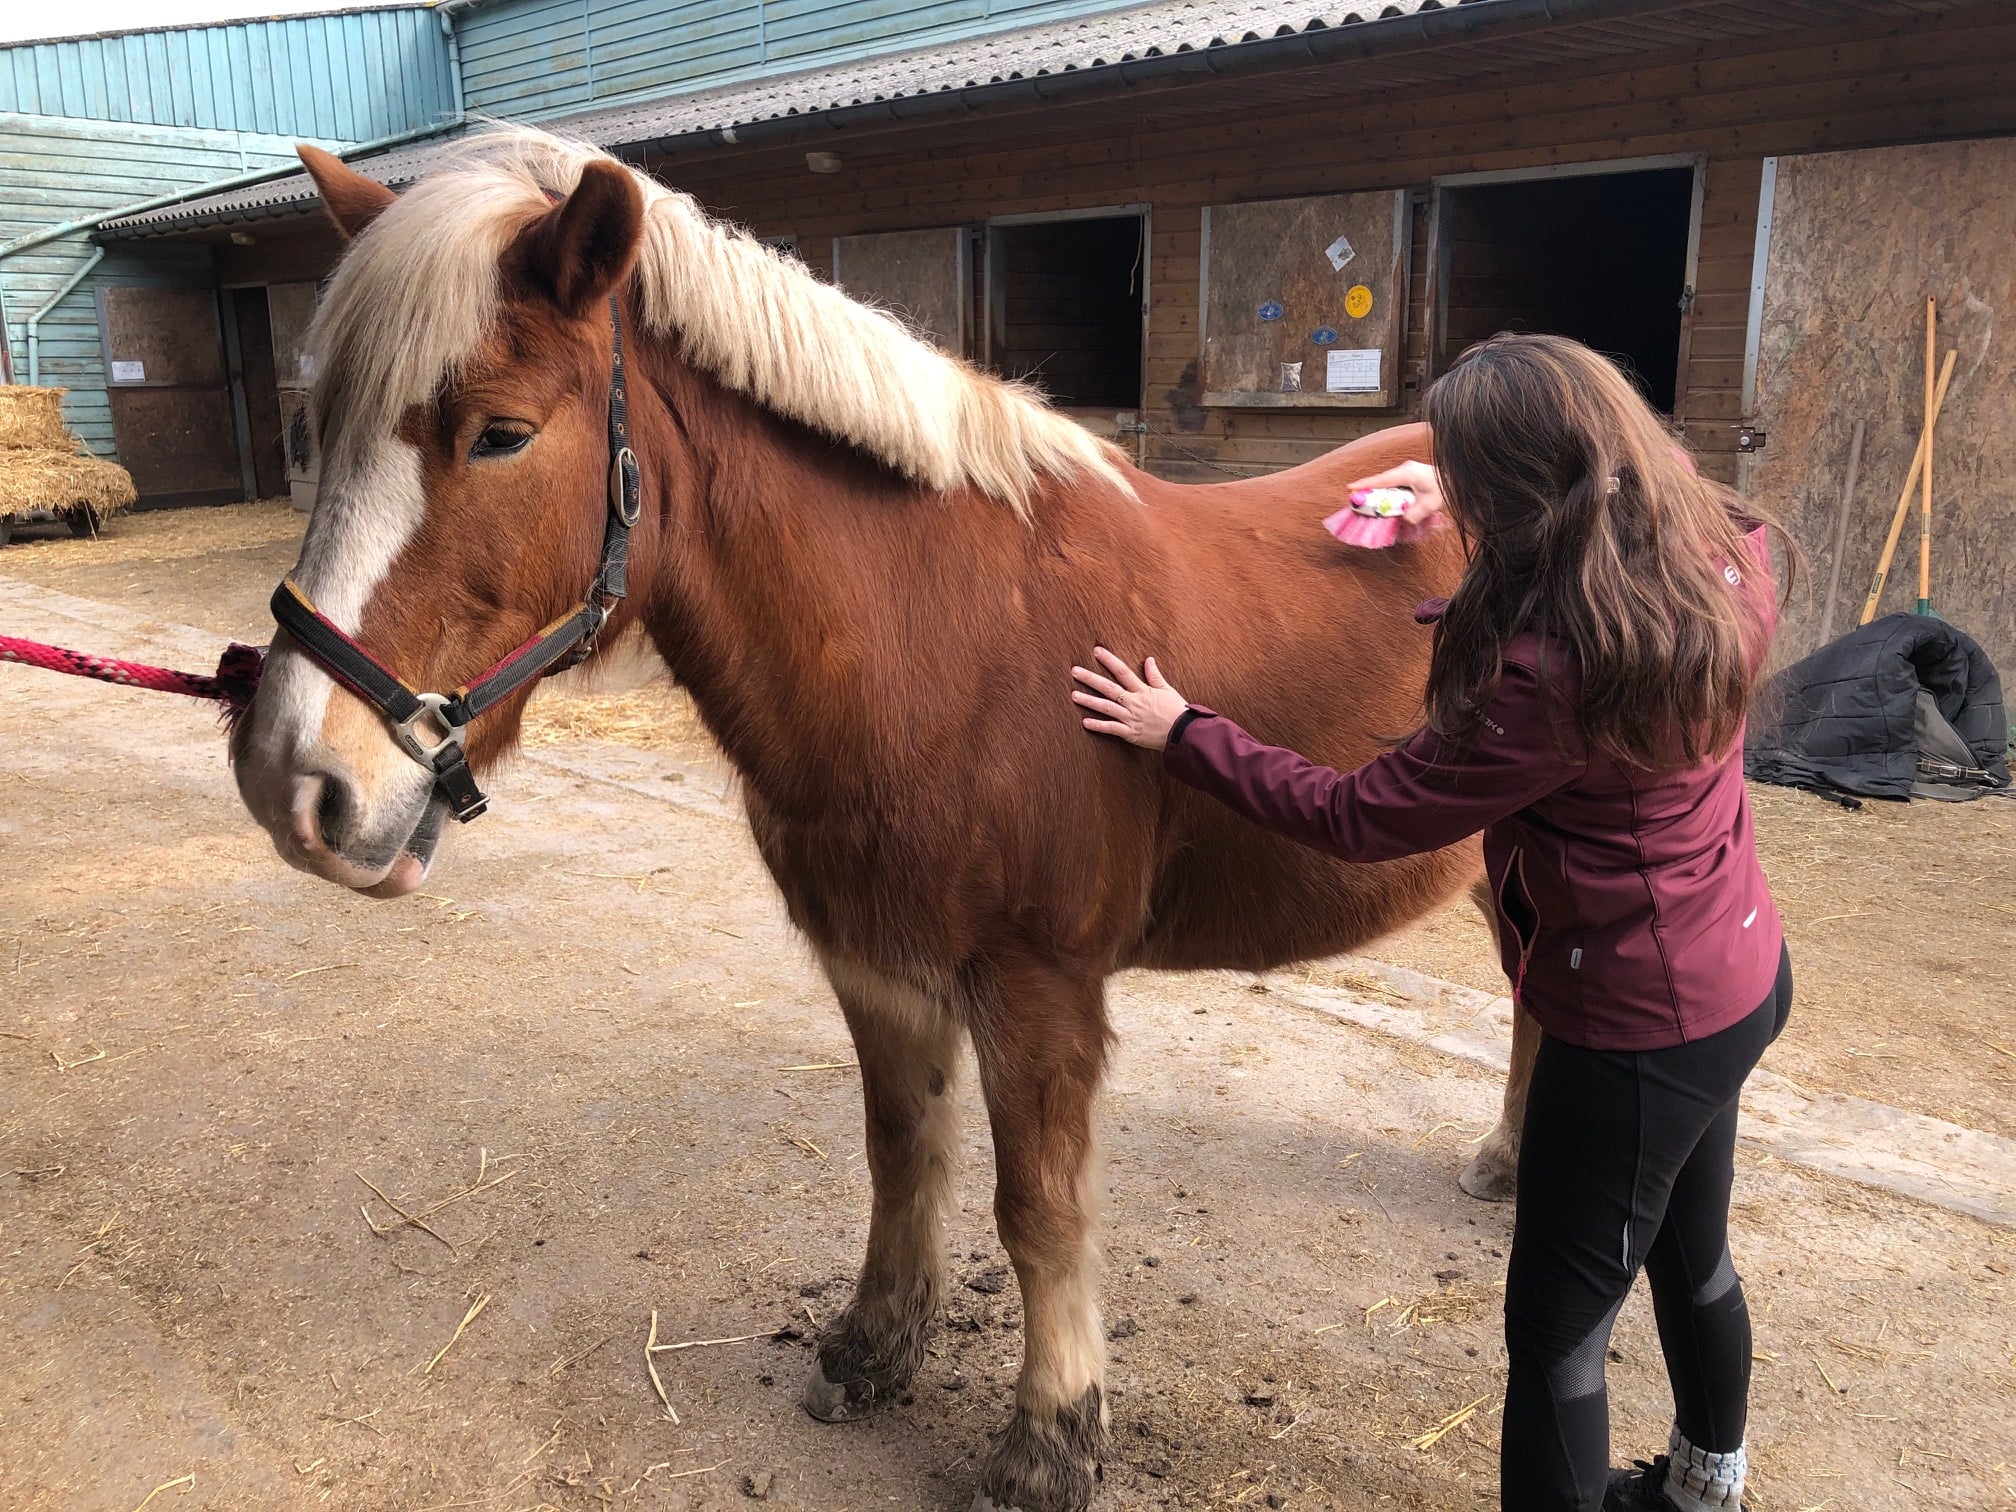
(233, 683)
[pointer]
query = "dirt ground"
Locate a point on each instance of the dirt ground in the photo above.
(595, 1063)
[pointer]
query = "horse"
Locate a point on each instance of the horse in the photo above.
(872, 566)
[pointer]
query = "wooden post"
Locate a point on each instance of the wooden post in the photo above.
(1931, 415)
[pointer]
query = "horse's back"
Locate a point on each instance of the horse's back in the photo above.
(1310, 644)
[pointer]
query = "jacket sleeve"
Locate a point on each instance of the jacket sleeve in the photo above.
(1426, 794)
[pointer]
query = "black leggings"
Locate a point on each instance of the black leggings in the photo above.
(1626, 1159)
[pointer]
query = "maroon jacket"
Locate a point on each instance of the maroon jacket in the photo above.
(1633, 912)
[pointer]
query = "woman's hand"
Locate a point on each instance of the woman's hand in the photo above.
(1418, 476)
(1139, 712)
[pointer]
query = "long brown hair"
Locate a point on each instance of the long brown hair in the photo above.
(1587, 526)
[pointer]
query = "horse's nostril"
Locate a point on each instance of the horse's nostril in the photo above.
(335, 810)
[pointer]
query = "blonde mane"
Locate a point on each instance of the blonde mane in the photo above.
(417, 293)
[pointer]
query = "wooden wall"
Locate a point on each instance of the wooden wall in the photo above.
(1180, 151)
(1859, 241)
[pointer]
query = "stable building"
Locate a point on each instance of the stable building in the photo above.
(1232, 239)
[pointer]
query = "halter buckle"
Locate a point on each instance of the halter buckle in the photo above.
(626, 491)
(410, 741)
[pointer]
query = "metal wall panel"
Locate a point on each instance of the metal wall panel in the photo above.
(530, 58)
(352, 77)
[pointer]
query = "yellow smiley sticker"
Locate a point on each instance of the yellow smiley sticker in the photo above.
(1358, 302)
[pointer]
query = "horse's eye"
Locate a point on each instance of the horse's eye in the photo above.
(501, 439)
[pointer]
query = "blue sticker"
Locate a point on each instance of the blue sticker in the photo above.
(1323, 336)
(1272, 310)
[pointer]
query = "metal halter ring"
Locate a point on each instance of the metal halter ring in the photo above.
(409, 739)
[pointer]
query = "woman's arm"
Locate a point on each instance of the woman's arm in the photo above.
(1428, 793)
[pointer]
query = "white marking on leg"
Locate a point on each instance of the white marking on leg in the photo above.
(1065, 1345)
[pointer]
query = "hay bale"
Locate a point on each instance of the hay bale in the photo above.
(33, 417)
(65, 481)
(44, 467)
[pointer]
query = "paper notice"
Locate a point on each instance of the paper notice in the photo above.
(1339, 252)
(1352, 370)
(129, 372)
(305, 366)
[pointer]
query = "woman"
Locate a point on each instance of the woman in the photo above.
(1585, 709)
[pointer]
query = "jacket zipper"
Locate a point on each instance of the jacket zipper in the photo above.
(1515, 866)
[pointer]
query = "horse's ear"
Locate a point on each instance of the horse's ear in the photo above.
(352, 200)
(582, 248)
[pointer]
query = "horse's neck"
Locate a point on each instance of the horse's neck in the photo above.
(773, 593)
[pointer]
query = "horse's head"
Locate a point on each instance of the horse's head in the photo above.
(465, 352)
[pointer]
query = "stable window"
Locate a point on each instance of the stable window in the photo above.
(1602, 255)
(1066, 305)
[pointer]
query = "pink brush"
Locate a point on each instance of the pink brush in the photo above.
(1377, 517)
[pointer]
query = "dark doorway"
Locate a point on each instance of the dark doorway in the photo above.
(1065, 308)
(1601, 258)
(257, 385)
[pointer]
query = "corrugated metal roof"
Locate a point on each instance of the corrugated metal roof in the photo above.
(1117, 48)
(1082, 44)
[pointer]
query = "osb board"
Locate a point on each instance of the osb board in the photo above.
(171, 334)
(177, 441)
(923, 276)
(1278, 290)
(1858, 240)
(292, 306)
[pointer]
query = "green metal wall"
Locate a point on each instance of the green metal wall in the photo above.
(355, 77)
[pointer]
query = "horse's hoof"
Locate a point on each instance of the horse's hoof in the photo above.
(1490, 1178)
(832, 1404)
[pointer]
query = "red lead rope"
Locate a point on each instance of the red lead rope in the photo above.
(233, 683)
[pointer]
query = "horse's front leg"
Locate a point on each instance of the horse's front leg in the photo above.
(908, 1047)
(1040, 1037)
(1493, 1174)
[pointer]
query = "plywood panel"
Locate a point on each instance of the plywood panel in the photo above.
(178, 443)
(924, 276)
(1859, 239)
(1304, 302)
(163, 336)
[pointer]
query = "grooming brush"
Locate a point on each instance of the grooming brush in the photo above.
(1377, 517)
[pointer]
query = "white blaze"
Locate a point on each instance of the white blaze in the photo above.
(368, 506)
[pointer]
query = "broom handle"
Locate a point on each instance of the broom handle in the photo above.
(1904, 501)
(1931, 415)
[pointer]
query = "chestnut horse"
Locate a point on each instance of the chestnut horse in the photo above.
(873, 567)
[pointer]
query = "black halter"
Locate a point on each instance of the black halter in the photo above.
(565, 643)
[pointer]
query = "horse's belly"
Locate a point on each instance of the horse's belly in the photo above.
(1248, 901)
